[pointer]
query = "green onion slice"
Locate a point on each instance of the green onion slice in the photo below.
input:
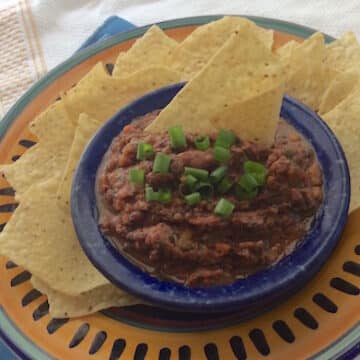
(244, 195)
(260, 178)
(188, 184)
(190, 181)
(177, 137)
(224, 186)
(218, 174)
(137, 176)
(254, 167)
(193, 199)
(205, 189)
(150, 194)
(248, 182)
(144, 151)
(202, 142)
(221, 154)
(161, 163)
(163, 196)
(257, 170)
(225, 139)
(200, 174)
(224, 208)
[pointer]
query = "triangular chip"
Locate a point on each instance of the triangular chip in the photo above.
(340, 87)
(263, 117)
(48, 157)
(244, 68)
(53, 125)
(83, 133)
(307, 77)
(205, 40)
(102, 297)
(185, 62)
(151, 49)
(344, 53)
(101, 95)
(286, 50)
(190, 56)
(37, 164)
(41, 238)
(344, 121)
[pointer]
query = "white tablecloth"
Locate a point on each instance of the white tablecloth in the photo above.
(35, 35)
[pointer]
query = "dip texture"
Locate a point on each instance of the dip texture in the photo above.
(189, 242)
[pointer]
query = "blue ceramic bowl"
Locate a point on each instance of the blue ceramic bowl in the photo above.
(257, 292)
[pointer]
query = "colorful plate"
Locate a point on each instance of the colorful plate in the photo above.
(320, 321)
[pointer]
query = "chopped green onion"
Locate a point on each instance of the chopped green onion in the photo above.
(205, 189)
(202, 142)
(190, 181)
(254, 167)
(163, 196)
(150, 194)
(137, 176)
(218, 174)
(144, 151)
(225, 139)
(161, 163)
(177, 138)
(200, 174)
(244, 195)
(188, 184)
(248, 182)
(224, 208)
(221, 154)
(257, 170)
(225, 185)
(193, 199)
(260, 178)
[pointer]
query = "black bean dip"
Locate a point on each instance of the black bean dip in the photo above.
(191, 244)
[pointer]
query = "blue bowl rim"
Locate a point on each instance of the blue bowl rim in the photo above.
(216, 299)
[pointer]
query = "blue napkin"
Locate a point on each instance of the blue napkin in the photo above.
(112, 26)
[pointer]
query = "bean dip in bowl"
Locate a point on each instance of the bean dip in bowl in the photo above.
(210, 222)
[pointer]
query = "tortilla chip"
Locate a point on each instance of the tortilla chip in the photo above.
(286, 50)
(207, 39)
(151, 49)
(36, 165)
(47, 158)
(309, 84)
(185, 62)
(41, 238)
(307, 77)
(344, 121)
(344, 53)
(102, 297)
(340, 87)
(236, 116)
(315, 44)
(190, 56)
(243, 69)
(54, 125)
(101, 95)
(84, 132)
